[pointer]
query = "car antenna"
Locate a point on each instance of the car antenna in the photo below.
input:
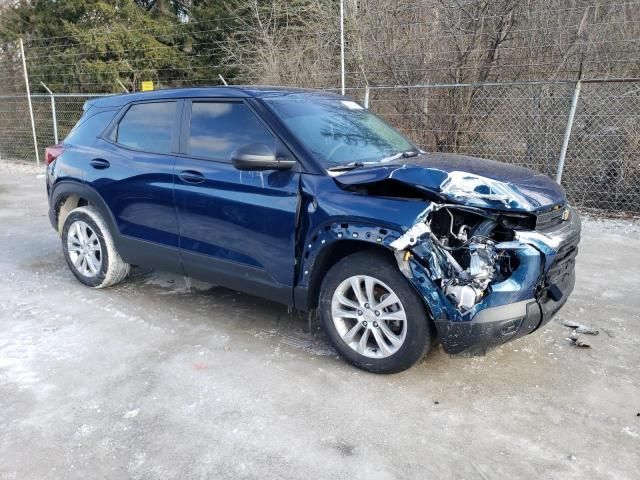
(223, 80)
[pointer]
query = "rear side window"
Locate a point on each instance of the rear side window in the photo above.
(89, 127)
(218, 128)
(148, 127)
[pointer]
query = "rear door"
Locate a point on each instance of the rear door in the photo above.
(237, 228)
(133, 172)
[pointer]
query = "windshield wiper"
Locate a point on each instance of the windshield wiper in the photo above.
(346, 166)
(407, 154)
(410, 153)
(352, 165)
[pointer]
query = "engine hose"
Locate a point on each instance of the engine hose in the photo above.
(484, 228)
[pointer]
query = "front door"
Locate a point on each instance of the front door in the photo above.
(237, 228)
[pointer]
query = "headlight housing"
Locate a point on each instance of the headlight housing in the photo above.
(482, 192)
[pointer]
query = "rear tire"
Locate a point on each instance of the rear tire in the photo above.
(90, 251)
(400, 331)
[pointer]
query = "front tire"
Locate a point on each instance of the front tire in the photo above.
(90, 251)
(372, 315)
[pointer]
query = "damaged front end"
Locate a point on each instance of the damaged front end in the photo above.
(489, 276)
(493, 254)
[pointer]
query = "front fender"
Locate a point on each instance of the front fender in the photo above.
(321, 240)
(327, 234)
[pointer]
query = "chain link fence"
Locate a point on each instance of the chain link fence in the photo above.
(410, 60)
(602, 168)
(524, 123)
(516, 123)
(519, 123)
(16, 140)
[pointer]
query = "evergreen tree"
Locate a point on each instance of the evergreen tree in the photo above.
(88, 45)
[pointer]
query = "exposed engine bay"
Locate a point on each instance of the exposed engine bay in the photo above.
(492, 252)
(466, 250)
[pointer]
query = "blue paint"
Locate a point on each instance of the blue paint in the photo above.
(264, 231)
(430, 171)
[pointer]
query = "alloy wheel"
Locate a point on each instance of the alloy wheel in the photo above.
(369, 316)
(84, 249)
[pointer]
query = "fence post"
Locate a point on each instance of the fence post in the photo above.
(366, 96)
(126, 90)
(567, 132)
(342, 45)
(53, 113)
(26, 82)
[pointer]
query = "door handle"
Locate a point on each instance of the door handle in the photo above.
(100, 163)
(191, 176)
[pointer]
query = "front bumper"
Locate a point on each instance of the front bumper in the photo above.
(523, 303)
(497, 325)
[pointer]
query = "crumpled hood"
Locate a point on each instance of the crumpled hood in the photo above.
(466, 180)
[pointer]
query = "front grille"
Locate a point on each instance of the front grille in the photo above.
(549, 220)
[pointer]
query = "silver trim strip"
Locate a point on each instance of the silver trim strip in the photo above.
(510, 311)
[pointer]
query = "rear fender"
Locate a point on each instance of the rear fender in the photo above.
(65, 188)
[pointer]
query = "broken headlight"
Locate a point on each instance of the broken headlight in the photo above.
(482, 191)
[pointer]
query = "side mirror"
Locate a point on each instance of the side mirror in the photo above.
(258, 156)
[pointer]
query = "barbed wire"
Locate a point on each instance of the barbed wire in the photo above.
(416, 70)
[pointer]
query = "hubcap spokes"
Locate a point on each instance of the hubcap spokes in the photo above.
(84, 249)
(369, 316)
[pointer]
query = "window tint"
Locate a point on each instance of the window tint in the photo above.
(219, 128)
(89, 127)
(148, 127)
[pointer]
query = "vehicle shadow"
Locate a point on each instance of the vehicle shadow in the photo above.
(263, 319)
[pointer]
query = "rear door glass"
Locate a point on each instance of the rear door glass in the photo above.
(148, 127)
(218, 128)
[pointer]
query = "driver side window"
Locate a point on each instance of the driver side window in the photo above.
(218, 128)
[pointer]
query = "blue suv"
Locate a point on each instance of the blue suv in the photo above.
(308, 199)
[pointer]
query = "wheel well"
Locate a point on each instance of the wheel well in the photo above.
(65, 205)
(331, 255)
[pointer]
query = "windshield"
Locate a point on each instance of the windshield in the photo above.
(340, 132)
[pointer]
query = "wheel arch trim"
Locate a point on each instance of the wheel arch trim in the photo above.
(318, 253)
(66, 188)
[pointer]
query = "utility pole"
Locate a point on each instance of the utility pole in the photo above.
(567, 132)
(26, 82)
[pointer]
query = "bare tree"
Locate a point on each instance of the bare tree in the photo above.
(284, 43)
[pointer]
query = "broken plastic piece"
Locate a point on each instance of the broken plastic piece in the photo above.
(464, 296)
(579, 328)
(410, 237)
(576, 342)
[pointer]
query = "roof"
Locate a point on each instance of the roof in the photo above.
(209, 92)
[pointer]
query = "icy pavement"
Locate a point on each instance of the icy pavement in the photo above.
(152, 379)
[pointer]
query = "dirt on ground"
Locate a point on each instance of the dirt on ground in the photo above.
(151, 379)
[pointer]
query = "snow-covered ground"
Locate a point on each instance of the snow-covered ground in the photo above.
(151, 379)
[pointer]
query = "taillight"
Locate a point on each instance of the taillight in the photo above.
(52, 152)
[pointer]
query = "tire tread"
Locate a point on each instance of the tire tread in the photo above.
(117, 268)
